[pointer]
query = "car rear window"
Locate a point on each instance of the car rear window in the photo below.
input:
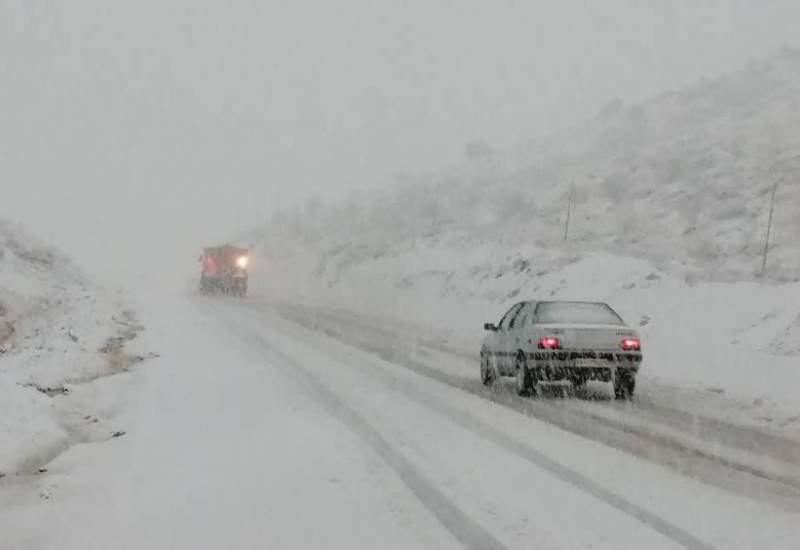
(576, 313)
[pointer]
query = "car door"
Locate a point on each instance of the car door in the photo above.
(492, 343)
(519, 331)
(504, 349)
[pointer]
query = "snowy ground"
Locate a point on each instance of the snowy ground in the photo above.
(55, 327)
(221, 450)
(251, 431)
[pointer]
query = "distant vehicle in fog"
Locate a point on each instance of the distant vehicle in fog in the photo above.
(550, 341)
(223, 269)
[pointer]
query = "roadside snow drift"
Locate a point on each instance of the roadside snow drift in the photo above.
(53, 325)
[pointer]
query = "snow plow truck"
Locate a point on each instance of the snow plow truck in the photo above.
(223, 270)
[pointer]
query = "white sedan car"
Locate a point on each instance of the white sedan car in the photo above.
(552, 341)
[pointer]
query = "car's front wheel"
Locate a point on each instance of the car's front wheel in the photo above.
(525, 378)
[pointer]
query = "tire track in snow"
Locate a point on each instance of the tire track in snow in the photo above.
(461, 526)
(488, 432)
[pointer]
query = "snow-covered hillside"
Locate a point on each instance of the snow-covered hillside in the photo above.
(683, 180)
(57, 333)
(669, 215)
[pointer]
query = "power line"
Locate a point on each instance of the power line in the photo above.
(569, 210)
(769, 230)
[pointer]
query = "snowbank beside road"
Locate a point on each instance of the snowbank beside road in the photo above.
(54, 323)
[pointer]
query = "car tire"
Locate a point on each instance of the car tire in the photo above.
(487, 373)
(624, 387)
(525, 378)
(579, 387)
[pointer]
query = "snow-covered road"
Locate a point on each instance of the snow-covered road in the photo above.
(254, 431)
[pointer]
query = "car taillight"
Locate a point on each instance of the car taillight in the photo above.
(549, 342)
(631, 344)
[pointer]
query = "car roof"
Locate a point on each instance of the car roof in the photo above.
(526, 302)
(569, 302)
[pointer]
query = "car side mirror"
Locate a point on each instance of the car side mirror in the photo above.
(490, 327)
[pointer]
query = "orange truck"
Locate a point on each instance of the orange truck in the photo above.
(223, 270)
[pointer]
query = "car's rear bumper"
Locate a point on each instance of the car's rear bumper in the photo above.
(583, 365)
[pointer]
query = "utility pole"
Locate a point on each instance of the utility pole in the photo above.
(569, 210)
(769, 230)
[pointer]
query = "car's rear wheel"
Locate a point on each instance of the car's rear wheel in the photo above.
(487, 373)
(525, 378)
(578, 386)
(624, 386)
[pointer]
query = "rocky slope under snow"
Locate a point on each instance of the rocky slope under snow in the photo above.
(58, 332)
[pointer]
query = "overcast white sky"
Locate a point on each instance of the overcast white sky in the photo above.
(148, 125)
